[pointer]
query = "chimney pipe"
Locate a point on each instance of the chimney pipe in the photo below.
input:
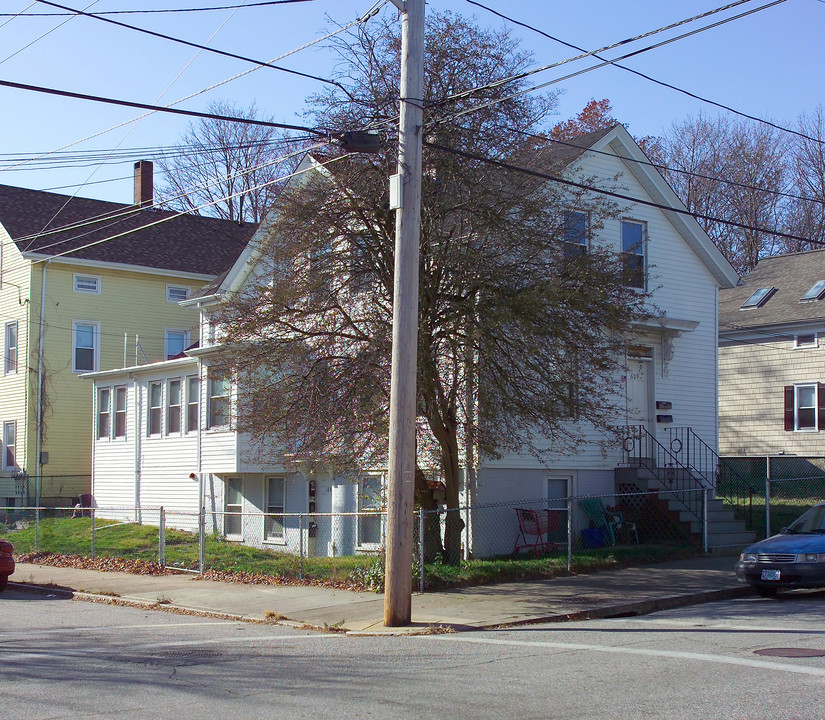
(144, 191)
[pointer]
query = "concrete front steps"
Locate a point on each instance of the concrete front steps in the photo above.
(726, 535)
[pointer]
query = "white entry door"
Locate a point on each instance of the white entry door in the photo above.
(639, 387)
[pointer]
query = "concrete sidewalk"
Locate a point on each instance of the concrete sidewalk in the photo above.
(604, 594)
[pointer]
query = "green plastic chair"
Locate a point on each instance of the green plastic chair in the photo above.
(601, 517)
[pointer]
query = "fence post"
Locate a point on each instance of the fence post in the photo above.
(705, 492)
(767, 496)
(300, 546)
(421, 550)
(569, 534)
(162, 538)
(94, 529)
(201, 538)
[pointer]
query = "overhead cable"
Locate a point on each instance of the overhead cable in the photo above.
(722, 106)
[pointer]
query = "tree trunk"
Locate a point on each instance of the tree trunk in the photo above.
(451, 469)
(433, 549)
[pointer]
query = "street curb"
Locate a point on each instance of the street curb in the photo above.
(641, 607)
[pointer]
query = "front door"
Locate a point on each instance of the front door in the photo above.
(639, 388)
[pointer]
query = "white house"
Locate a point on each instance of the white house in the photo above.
(162, 437)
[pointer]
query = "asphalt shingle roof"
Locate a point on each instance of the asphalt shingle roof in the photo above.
(187, 243)
(792, 276)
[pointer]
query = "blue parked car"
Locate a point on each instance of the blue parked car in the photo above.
(793, 559)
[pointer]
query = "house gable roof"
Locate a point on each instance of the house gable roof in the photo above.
(792, 275)
(166, 240)
(555, 158)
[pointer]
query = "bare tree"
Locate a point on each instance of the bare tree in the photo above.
(807, 216)
(734, 171)
(510, 314)
(228, 169)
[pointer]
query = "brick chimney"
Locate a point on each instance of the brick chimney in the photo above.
(144, 190)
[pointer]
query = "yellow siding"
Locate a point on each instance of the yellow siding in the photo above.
(14, 392)
(130, 303)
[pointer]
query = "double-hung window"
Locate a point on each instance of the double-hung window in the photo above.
(369, 507)
(233, 520)
(120, 412)
(10, 357)
(85, 346)
(9, 444)
(218, 402)
(193, 391)
(633, 253)
(175, 342)
(155, 407)
(803, 404)
(275, 502)
(104, 413)
(574, 229)
(173, 407)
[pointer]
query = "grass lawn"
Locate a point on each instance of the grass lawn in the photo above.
(132, 542)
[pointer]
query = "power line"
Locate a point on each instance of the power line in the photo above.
(179, 214)
(190, 44)
(158, 108)
(619, 196)
(659, 167)
(525, 91)
(168, 10)
(647, 77)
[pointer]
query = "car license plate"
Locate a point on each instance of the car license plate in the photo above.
(770, 575)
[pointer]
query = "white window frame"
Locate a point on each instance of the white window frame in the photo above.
(95, 345)
(120, 414)
(798, 345)
(9, 431)
(154, 411)
(581, 245)
(366, 503)
(184, 334)
(797, 407)
(170, 409)
(210, 402)
(11, 349)
(642, 254)
(172, 289)
(104, 413)
(273, 512)
(78, 279)
(236, 508)
(193, 400)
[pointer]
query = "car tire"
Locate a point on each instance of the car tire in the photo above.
(766, 591)
(4, 579)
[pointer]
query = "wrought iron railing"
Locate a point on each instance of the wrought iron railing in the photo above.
(641, 449)
(730, 486)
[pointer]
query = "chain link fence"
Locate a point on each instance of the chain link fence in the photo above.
(786, 486)
(350, 546)
(43, 490)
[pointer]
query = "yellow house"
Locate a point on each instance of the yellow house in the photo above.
(87, 285)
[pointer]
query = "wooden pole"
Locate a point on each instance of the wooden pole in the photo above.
(401, 475)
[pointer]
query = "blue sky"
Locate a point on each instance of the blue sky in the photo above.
(768, 65)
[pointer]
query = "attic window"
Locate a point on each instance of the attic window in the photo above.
(759, 298)
(176, 293)
(87, 284)
(815, 293)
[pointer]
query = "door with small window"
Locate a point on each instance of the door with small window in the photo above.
(638, 386)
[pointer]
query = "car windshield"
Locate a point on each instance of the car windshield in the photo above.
(812, 521)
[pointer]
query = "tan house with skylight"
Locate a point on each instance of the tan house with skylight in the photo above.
(772, 359)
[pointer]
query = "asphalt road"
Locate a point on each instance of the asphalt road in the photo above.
(68, 659)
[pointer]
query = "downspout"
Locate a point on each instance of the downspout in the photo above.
(138, 436)
(39, 435)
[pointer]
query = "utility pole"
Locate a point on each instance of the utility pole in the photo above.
(401, 495)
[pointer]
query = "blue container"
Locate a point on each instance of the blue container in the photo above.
(593, 537)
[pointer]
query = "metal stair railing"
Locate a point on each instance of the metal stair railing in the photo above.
(730, 486)
(641, 449)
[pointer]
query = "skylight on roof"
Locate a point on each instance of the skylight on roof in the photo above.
(759, 298)
(815, 293)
